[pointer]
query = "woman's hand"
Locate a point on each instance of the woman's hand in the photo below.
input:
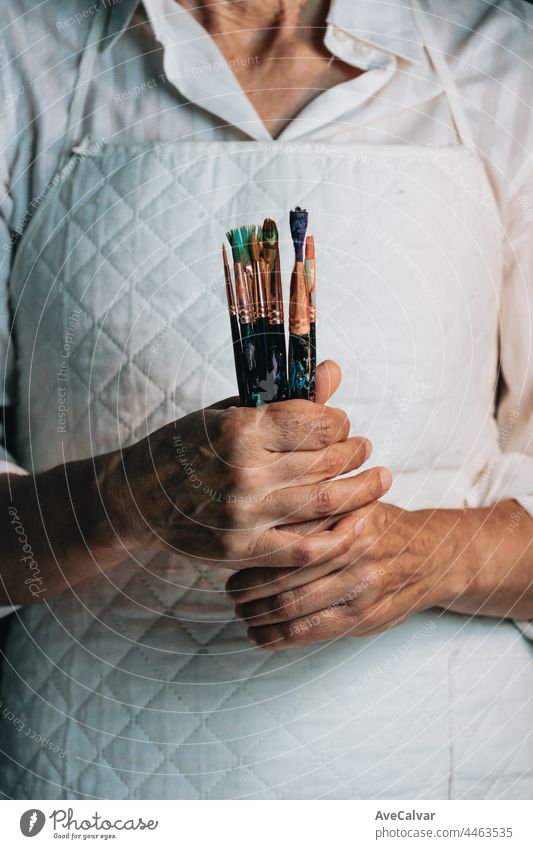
(226, 483)
(393, 570)
(401, 562)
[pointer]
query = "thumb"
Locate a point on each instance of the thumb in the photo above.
(225, 403)
(328, 378)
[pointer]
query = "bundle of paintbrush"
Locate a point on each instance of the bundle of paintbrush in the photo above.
(255, 303)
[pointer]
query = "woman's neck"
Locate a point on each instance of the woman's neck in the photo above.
(285, 40)
(217, 15)
(260, 24)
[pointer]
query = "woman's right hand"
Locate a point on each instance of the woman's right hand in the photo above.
(236, 487)
(226, 483)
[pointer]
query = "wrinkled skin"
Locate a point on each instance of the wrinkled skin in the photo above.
(393, 573)
(229, 484)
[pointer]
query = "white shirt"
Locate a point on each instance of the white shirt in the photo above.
(164, 77)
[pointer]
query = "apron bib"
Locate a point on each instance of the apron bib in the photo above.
(142, 676)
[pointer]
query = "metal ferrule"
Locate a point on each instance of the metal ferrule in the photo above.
(244, 310)
(261, 306)
(276, 317)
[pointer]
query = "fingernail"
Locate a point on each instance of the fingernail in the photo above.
(251, 633)
(368, 449)
(385, 478)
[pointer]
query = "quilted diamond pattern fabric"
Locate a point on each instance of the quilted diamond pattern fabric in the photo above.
(141, 683)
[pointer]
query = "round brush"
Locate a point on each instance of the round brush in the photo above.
(299, 321)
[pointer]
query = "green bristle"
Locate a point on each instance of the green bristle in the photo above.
(239, 239)
(270, 232)
(246, 236)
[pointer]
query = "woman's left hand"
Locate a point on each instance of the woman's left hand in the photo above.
(401, 562)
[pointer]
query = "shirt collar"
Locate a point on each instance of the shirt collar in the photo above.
(360, 21)
(120, 14)
(388, 25)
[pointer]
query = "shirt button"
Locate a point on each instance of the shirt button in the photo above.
(339, 34)
(362, 49)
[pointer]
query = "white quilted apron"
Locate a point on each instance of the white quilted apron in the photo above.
(140, 683)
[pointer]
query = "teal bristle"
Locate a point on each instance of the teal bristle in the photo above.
(298, 223)
(246, 235)
(240, 239)
(270, 233)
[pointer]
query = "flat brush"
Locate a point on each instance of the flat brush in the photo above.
(235, 332)
(299, 322)
(277, 346)
(241, 259)
(310, 278)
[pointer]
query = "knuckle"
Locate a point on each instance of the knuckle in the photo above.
(291, 632)
(332, 427)
(285, 604)
(323, 499)
(370, 598)
(239, 425)
(285, 423)
(302, 554)
(325, 428)
(370, 617)
(365, 607)
(332, 461)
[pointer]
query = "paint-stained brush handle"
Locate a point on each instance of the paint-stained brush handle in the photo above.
(299, 366)
(249, 355)
(310, 277)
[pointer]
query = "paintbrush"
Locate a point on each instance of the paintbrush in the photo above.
(239, 241)
(310, 277)
(235, 332)
(299, 323)
(246, 237)
(260, 311)
(277, 344)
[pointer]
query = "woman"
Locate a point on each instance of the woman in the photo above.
(134, 135)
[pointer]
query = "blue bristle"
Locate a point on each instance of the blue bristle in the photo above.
(298, 222)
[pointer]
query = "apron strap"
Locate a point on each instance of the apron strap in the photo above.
(83, 80)
(461, 123)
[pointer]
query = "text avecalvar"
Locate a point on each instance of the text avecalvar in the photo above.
(405, 815)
